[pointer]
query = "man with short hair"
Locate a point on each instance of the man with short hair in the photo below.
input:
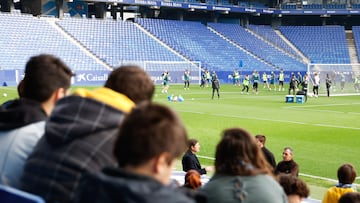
(269, 156)
(80, 134)
(22, 121)
(287, 165)
(150, 140)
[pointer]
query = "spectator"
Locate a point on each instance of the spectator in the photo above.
(287, 165)
(145, 175)
(80, 134)
(242, 173)
(190, 160)
(192, 179)
(269, 156)
(295, 188)
(350, 197)
(22, 121)
(346, 175)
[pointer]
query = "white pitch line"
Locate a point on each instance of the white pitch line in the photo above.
(320, 105)
(280, 121)
(336, 126)
(262, 119)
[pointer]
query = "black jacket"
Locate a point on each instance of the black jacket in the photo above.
(20, 112)
(190, 161)
(269, 156)
(287, 167)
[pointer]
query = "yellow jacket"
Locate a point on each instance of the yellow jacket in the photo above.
(108, 96)
(333, 194)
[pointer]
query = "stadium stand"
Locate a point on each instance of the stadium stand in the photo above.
(116, 42)
(23, 36)
(197, 43)
(356, 33)
(258, 46)
(321, 44)
(269, 34)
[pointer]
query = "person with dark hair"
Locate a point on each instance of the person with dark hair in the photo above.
(295, 188)
(190, 161)
(186, 79)
(166, 79)
(255, 79)
(328, 84)
(269, 156)
(316, 84)
(304, 85)
(22, 121)
(145, 175)
(192, 179)
(215, 83)
(242, 173)
(246, 84)
(80, 134)
(346, 176)
(281, 80)
(350, 197)
(287, 165)
(293, 84)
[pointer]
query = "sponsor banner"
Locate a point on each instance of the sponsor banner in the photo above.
(235, 9)
(90, 78)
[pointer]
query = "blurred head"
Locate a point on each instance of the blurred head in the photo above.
(346, 174)
(192, 179)
(260, 139)
(151, 132)
(237, 153)
(350, 197)
(133, 82)
(295, 188)
(44, 74)
(287, 154)
(193, 145)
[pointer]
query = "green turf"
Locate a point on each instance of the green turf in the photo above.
(324, 132)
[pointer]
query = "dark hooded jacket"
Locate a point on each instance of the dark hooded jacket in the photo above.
(20, 112)
(79, 137)
(116, 185)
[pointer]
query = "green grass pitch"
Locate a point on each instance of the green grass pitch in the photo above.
(324, 132)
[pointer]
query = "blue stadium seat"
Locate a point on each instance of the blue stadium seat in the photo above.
(321, 44)
(12, 195)
(198, 43)
(38, 37)
(259, 47)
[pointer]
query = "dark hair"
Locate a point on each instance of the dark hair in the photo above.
(238, 154)
(192, 179)
(191, 143)
(346, 174)
(350, 197)
(148, 131)
(293, 185)
(261, 138)
(131, 81)
(44, 74)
